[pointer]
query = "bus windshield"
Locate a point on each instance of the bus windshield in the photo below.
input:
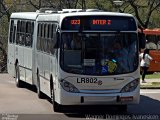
(153, 42)
(99, 53)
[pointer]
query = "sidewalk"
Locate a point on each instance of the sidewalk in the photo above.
(150, 84)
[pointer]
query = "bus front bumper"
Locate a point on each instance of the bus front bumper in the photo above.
(67, 98)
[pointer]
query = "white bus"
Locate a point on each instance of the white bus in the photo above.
(76, 57)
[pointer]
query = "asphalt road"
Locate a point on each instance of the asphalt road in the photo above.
(23, 104)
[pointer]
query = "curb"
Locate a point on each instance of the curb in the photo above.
(150, 87)
(151, 84)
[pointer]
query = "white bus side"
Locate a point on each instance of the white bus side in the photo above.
(46, 53)
(21, 46)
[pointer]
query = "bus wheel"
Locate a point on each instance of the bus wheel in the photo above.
(56, 106)
(17, 77)
(39, 93)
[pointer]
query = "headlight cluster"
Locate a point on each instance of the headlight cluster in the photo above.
(130, 86)
(68, 86)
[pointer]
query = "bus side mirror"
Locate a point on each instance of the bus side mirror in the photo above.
(142, 40)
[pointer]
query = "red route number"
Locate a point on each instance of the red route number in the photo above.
(75, 22)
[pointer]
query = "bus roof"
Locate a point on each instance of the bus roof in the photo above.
(61, 14)
(97, 13)
(25, 15)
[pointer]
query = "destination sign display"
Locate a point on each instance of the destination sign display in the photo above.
(107, 23)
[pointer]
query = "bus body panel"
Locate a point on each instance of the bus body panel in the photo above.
(19, 56)
(46, 74)
(45, 86)
(28, 64)
(46, 66)
(155, 66)
(34, 56)
(67, 98)
(39, 63)
(35, 62)
(98, 83)
(11, 59)
(106, 94)
(11, 49)
(54, 72)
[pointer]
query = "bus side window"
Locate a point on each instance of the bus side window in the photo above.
(45, 38)
(38, 36)
(22, 33)
(32, 31)
(14, 34)
(48, 39)
(50, 46)
(42, 38)
(52, 39)
(28, 34)
(11, 32)
(18, 32)
(151, 42)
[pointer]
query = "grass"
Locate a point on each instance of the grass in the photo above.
(156, 83)
(151, 85)
(152, 76)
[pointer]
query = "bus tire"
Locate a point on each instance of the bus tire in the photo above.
(39, 93)
(17, 77)
(56, 106)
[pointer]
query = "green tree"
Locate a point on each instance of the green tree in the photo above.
(142, 9)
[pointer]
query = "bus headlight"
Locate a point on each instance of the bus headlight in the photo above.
(130, 86)
(68, 86)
